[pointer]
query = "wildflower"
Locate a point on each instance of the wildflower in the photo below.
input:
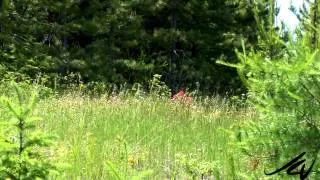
(132, 161)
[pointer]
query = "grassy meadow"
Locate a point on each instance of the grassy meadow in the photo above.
(127, 137)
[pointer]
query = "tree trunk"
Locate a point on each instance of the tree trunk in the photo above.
(314, 36)
(173, 58)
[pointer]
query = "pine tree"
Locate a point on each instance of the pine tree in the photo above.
(310, 19)
(22, 24)
(191, 35)
(128, 40)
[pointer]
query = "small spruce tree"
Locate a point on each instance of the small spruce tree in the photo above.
(21, 146)
(284, 89)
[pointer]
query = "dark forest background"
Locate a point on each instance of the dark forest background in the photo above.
(128, 41)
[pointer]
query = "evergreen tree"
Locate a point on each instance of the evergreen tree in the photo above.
(309, 19)
(121, 41)
(21, 26)
(191, 35)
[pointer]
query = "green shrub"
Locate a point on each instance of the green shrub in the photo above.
(158, 88)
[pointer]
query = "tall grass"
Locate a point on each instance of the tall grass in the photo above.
(139, 134)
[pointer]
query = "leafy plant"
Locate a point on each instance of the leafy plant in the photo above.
(196, 168)
(158, 88)
(22, 147)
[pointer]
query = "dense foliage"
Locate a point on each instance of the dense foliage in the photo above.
(122, 41)
(284, 89)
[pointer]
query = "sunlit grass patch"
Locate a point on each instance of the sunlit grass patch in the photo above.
(139, 134)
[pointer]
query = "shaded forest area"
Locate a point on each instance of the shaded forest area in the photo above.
(128, 41)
